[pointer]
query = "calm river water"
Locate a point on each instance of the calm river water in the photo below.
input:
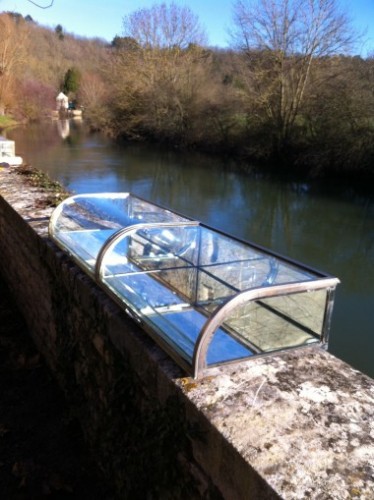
(330, 227)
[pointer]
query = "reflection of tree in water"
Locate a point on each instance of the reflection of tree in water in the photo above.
(77, 133)
(33, 140)
(366, 230)
(190, 183)
(335, 233)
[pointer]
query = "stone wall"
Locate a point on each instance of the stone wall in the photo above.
(293, 425)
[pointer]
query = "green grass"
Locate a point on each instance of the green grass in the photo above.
(6, 122)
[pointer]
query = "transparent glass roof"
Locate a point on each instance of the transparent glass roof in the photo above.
(207, 298)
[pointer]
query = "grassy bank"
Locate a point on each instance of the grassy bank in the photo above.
(6, 122)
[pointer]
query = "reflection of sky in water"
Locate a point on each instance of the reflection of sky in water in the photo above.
(324, 226)
(94, 183)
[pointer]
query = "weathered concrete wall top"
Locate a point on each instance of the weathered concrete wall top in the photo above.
(295, 425)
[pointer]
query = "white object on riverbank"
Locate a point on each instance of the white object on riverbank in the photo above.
(8, 154)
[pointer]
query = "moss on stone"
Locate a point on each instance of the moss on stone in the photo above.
(56, 193)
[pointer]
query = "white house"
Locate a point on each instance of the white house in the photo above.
(62, 102)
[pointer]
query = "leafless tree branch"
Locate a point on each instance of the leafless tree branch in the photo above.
(282, 40)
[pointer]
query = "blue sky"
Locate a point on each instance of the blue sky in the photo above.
(103, 18)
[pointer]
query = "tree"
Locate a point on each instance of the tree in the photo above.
(124, 43)
(164, 26)
(13, 37)
(339, 115)
(71, 81)
(59, 32)
(281, 40)
(157, 76)
(34, 100)
(94, 95)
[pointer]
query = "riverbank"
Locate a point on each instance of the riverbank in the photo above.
(7, 122)
(300, 163)
(295, 163)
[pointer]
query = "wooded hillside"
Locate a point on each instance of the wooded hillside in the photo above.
(295, 99)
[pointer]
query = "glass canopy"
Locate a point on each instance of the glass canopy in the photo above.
(207, 298)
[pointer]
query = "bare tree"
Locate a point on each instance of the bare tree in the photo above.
(164, 26)
(157, 90)
(13, 37)
(157, 75)
(281, 40)
(93, 95)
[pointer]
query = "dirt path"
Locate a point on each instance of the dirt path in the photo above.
(42, 453)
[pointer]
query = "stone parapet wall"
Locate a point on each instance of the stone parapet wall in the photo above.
(294, 425)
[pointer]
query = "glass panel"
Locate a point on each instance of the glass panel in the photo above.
(154, 271)
(280, 322)
(114, 211)
(217, 248)
(174, 320)
(85, 222)
(243, 266)
(148, 249)
(157, 272)
(93, 212)
(175, 275)
(143, 211)
(155, 248)
(265, 270)
(85, 245)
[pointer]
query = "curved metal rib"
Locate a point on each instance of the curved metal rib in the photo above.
(57, 212)
(222, 312)
(129, 229)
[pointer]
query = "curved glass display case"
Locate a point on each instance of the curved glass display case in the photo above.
(206, 297)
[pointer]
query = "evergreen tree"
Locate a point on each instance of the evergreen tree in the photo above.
(59, 32)
(71, 81)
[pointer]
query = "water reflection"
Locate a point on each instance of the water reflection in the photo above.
(63, 127)
(329, 227)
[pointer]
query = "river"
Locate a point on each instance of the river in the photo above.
(327, 226)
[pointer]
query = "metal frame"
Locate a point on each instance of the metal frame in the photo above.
(125, 232)
(199, 366)
(221, 313)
